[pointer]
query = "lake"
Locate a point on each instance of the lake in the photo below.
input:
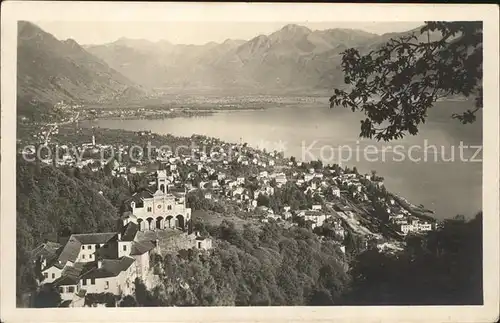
(440, 177)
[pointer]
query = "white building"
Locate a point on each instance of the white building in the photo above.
(317, 218)
(95, 263)
(160, 210)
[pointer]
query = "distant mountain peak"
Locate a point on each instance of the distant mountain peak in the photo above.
(230, 41)
(296, 28)
(50, 70)
(72, 42)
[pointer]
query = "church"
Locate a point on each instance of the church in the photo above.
(161, 210)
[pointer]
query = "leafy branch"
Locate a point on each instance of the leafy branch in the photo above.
(397, 83)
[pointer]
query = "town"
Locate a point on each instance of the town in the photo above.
(262, 186)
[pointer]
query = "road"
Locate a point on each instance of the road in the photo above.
(57, 124)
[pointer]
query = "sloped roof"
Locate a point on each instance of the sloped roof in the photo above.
(129, 231)
(139, 196)
(73, 245)
(178, 191)
(70, 251)
(48, 250)
(110, 268)
(144, 194)
(141, 247)
(70, 275)
(127, 214)
(94, 238)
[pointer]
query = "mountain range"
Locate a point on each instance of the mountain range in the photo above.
(50, 70)
(293, 58)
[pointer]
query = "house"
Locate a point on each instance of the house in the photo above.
(45, 251)
(335, 191)
(238, 192)
(114, 276)
(269, 190)
(256, 193)
(68, 284)
(406, 228)
(308, 177)
(280, 178)
(316, 207)
(340, 231)
(96, 263)
(317, 218)
(425, 226)
(204, 243)
(263, 174)
(79, 248)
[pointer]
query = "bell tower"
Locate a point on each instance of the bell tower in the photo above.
(161, 177)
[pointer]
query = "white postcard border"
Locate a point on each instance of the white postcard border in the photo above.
(13, 11)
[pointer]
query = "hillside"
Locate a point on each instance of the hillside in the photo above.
(51, 204)
(49, 70)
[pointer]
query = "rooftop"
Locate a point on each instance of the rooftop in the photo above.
(70, 275)
(141, 247)
(129, 231)
(94, 238)
(48, 250)
(110, 268)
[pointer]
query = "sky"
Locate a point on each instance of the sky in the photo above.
(87, 33)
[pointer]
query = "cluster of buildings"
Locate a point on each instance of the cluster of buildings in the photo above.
(110, 262)
(94, 263)
(403, 220)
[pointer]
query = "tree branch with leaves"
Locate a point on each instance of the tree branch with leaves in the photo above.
(396, 84)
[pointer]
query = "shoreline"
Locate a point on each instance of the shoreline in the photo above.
(418, 211)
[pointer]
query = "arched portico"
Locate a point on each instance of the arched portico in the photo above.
(159, 223)
(142, 224)
(179, 222)
(169, 222)
(150, 224)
